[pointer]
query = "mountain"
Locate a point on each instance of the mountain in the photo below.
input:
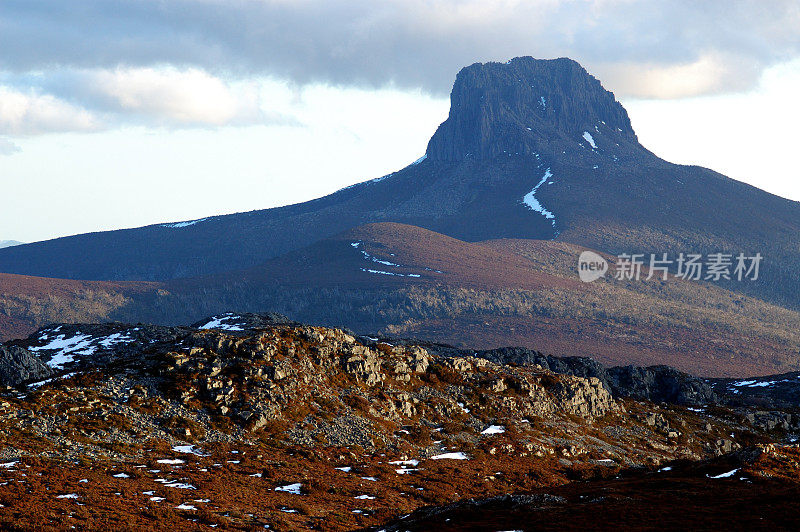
(244, 422)
(9, 243)
(532, 149)
(475, 244)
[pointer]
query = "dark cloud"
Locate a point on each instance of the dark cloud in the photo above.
(406, 43)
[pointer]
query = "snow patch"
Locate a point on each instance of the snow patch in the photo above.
(533, 203)
(588, 137)
(493, 429)
(218, 322)
(171, 461)
(725, 475)
(80, 344)
(415, 163)
(450, 456)
(294, 489)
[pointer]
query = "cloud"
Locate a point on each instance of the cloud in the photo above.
(177, 97)
(94, 99)
(29, 113)
(408, 43)
(100, 64)
(8, 148)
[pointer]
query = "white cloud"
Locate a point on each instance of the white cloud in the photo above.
(708, 74)
(29, 113)
(80, 100)
(183, 97)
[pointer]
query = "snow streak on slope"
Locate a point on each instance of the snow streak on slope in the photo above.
(179, 225)
(533, 203)
(590, 139)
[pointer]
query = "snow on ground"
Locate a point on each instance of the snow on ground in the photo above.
(121, 475)
(367, 256)
(116, 338)
(188, 449)
(175, 484)
(178, 225)
(754, 383)
(345, 469)
(588, 137)
(365, 497)
(294, 489)
(185, 506)
(412, 463)
(493, 429)
(171, 461)
(218, 322)
(38, 384)
(381, 272)
(406, 466)
(450, 456)
(415, 163)
(533, 203)
(725, 475)
(67, 496)
(543, 102)
(372, 258)
(68, 347)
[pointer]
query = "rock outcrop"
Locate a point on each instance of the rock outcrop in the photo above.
(18, 365)
(527, 106)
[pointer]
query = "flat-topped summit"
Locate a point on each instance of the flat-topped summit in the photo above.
(527, 106)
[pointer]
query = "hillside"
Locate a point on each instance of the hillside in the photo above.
(253, 421)
(27, 303)
(403, 281)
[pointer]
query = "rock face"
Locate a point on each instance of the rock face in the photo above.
(527, 106)
(18, 365)
(659, 384)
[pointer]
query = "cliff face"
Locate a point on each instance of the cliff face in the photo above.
(528, 106)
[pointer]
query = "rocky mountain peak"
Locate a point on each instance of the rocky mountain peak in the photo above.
(528, 106)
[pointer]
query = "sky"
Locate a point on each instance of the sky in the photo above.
(119, 113)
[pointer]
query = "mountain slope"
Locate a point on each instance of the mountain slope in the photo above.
(399, 280)
(27, 303)
(531, 149)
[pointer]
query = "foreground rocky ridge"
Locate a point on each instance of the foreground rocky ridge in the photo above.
(317, 428)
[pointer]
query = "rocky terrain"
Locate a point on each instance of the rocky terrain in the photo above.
(251, 421)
